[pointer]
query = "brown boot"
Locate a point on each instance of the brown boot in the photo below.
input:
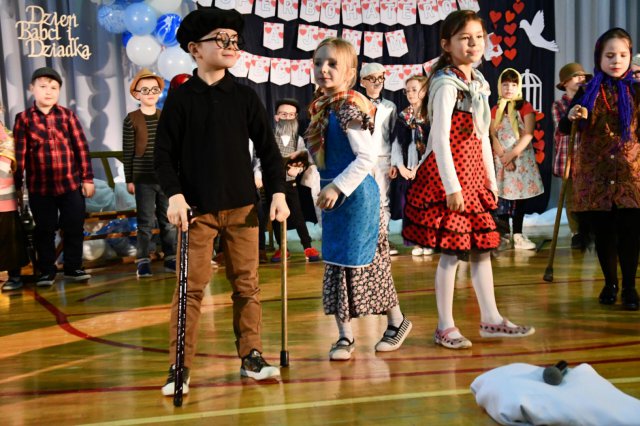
(263, 256)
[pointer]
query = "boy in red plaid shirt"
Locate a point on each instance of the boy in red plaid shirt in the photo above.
(52, 149)
(572, 76)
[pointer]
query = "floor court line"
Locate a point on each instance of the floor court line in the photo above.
(302, 405)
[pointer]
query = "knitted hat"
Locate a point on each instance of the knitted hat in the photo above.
(569, 71)
(201, 22)
(372, 68)
(145, 73)
(46, 72)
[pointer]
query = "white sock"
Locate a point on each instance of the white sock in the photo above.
(445, 282)
(394, 316)
(344, 328)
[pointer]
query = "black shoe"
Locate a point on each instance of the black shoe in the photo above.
(254, 366)
(578, 242)
(609, 294)
(46, 280)
(169, 388)
(76, 275)
(630, 300)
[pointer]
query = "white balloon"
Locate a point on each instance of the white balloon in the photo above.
(143, 50)
(173, 61)
(164, 6)
(92, 250)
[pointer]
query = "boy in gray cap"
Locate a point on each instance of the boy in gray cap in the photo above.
(372, 79)
(203, 164)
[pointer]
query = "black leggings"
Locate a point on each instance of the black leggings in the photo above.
(518, 217)
(617, 235)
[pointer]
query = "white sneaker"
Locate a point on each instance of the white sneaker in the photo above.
(426, 251)
(417, 251)
(521, 242)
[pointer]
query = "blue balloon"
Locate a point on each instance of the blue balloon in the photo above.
(111, 18)
(126, 36)
(140, 19)
(163, 95)
(167, 28)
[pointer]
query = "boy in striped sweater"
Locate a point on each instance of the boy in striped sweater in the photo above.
(138, 140)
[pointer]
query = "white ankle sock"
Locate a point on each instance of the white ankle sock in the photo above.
(394, 316)
(344, 328)
(445, 282)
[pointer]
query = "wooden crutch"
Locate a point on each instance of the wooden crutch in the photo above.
(284, 352)
(548, 272)
(182, 312)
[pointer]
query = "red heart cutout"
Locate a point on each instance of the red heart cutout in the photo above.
(496, 48)
(510, 41)
(518, 7)
(318, 8)
(495, 16)
(287, 70)
(509, 16)
(307, 70)
(538, 145)
(303, 31)
(511, 28)
(365, 6)
(358, 10)
(495, 38)
(413, 10)
(368, 38)
(295, 6)
(315, 36)
(539, 115)
(281, 1)
(407, 71)
(246, 64)
(280, 35)
(421, 6)
(511, 53)
(496, 60)
(266, 68)
(267, 30)
(380, 43)
(321, 36)
(538, 134)
(539, 157)
(383, 6)
(273, 3)
(295, 67)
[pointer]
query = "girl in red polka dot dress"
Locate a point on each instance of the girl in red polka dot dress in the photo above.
(448, 205)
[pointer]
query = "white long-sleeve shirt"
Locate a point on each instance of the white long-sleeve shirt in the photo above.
(366, 152)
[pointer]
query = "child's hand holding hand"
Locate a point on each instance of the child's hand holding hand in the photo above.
(393, 172)
(177, 211)
(88, 189)
(455, 202)
(578, 113)
(131, 188)
(328, 196)
(406, 173)
(279, 210)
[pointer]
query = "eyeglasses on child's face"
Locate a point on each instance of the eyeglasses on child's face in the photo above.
(373, 79)
(225, 41)
(154, 90)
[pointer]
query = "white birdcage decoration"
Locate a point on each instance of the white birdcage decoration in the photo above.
(532, 89)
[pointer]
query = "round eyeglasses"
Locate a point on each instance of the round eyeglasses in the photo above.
(145, 90)
(225, 41)
(374, 80)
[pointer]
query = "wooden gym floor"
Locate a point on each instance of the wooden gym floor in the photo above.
(97, 352)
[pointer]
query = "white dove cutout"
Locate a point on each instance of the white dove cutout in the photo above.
(534, 32)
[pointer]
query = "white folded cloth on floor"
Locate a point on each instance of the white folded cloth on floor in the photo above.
(515, 394)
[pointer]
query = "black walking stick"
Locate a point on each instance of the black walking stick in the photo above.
(28, 227)
(284, 353)
(548, 273)
(182, 312)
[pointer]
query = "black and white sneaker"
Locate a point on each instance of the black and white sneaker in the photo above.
(76, 275)
(46, 280)
(342, 349)
(394, 336)
(13, 283)
(169, 388)
(254, 366)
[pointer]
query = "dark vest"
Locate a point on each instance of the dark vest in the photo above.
(140, 129)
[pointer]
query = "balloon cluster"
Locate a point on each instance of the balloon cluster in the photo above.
(148, 29)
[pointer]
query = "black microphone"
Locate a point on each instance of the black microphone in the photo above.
(553, 375)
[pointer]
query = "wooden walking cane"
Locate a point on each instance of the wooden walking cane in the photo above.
(182, 312)
(284, 352)
(548, 273)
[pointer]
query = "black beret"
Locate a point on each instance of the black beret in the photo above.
(288, 101)
(201, 22)
(46, 72)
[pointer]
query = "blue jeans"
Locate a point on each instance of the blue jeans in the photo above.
(151, 203)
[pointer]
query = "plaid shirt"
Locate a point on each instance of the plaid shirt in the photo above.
(559, 110)
(53, 150)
